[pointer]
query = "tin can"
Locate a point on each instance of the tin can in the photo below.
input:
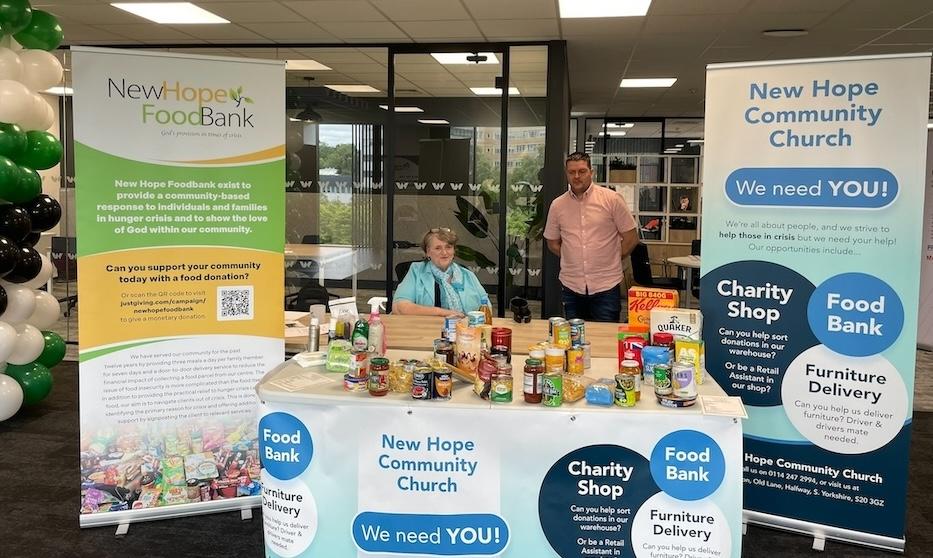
(205, 490)
(443, 383)
(562, 334)
(501, 350)
(552, 387)
(536, 351)
(501, 386)
(683, 381)
(634, 343)
(484, 371)
(575, 361)
(625, 390)
(378, 376)
(444, 351)
(502, 337)
(550, 326)
(352, 383)
(450, 328)
(476, 318)
(422, 383)
(631, 367)
(662, 379)
(554, 357)
(577, 332)
(359, 364)
(587, 355)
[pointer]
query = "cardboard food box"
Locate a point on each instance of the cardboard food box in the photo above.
(642, 300)
(682, 323)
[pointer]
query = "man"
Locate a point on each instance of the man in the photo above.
(591, 230)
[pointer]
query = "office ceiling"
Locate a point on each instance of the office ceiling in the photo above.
(676, 39)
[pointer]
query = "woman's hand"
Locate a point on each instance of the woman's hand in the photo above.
(445, 312)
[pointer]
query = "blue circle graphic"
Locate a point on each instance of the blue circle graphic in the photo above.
(687, 465)
(856, 314)
(285, 445)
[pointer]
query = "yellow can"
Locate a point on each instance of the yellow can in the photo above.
(575, 362)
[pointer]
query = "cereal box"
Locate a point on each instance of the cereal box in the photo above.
(694, 352)
(679, 322)
(641, 300)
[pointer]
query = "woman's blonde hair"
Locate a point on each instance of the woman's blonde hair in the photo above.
(442, 233)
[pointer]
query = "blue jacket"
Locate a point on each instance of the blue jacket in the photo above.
(418, 287)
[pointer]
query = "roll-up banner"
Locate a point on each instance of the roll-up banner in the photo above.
(925, 326)
(180, 210)
(814, 178)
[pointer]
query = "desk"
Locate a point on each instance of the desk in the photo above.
(334, 261)
(417, 333)
(687, 263)
(528, 479)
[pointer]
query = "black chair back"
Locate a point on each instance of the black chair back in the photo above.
(695, 247)
(401, 270)
(307, 295)
(641, 266)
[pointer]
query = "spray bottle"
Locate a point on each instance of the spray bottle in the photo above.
(377, 330)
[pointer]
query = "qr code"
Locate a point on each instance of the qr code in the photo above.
(235, 303)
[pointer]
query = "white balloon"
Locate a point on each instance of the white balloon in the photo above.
(29, 345)
(20, 303)
(39, 117)
(15, 101)
(7, 341)
(46, 312)
(294, 141)
(45, 273)
(11, 66)
(41, 69)
(11, 397)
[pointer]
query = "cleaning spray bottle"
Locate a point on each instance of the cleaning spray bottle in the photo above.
(377, 329)
(360, 336)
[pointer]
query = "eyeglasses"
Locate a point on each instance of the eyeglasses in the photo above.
(439, 229)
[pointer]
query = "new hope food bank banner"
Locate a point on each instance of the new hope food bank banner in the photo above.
(180, 204)
(814, 175)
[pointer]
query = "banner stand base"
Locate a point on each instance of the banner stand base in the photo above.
(821, 533)
(123, 518)
(122, 530)
(246, 514)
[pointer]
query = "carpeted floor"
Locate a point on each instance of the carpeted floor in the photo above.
(39, 480)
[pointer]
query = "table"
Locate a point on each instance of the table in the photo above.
(334, 261)
(687, 263)
(417, 333)
(466, 477)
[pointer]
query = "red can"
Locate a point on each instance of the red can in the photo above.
(502, 336)
(634, 343)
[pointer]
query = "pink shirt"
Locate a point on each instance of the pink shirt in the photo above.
(590, 228)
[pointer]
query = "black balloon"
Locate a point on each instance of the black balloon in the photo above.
(28, 266)
(2, 300)
(9, 257)
(31, 239)
(15, 223)
(44, 212)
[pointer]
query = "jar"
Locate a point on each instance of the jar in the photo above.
(534, 370)
(501, 384)
(444, 351)
(662, 339)
(554, 357)
(502, 350)
(630, 367)
(502, 337)
(378, 376)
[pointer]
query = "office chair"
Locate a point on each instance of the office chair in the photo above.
(641, 271)
(695, 251)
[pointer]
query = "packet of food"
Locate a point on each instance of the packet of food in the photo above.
(575, 386)
(469, 341)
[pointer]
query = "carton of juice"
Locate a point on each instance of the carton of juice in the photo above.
(642, 300)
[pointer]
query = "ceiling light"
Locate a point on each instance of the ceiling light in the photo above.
(433, 121)
(695, 141)
(620, 124)
(613, 133)
(170, 12)
(647, 82)
(679, 146)
(602, 8)
(493, 91)
(465, 57)
(309, 115)
(930, 126)
(403, 109)
(351, 88)
(59, 90)
(784, 33)
(306, 65)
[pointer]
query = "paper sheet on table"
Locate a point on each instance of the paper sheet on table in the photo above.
(301, 381)
(723, 406)
(293, 316)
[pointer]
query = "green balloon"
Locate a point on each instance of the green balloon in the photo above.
(12, 141)
(14, 15)
(43, 150)
(34, 378)
(28, 186)
(10, 176)
(43, 32)
(54, 350)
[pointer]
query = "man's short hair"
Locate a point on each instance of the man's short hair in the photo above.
(579, 156)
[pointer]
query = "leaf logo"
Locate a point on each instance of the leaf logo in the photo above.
(401, 185)
(517, 187)
(475, 187)
(534, 272)
(420, 185)
(537, 187)
(456, 185)
(238, 97)
(437, 185)
(514, 271)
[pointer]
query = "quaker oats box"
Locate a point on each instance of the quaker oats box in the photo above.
(682, 323)
(641, 300)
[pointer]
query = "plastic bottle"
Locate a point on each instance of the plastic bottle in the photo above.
(314, 336)
(360, 337)
(377, 329)
(486, 308)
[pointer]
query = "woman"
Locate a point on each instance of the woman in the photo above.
(458, 288)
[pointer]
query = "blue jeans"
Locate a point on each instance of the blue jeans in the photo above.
(598, 307)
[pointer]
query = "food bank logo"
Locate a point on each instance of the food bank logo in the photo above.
(211, 106)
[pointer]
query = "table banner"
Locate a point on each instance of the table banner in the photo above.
(180, 209)
(372, 480)
(812, 207)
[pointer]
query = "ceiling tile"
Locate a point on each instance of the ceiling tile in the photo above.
(679, 7)
(336, 10)
(88, 12)
(790, 6)
(520, 29)
(253, 12)
(297, 31)
(512, 9)
(619, 28)
(455, 29)
(227, 33)
(877, 16)
(78, 34)
(421, 10)
(369, 30)
(907, 37)
(148, 33)
(925, 22)
(705, 23)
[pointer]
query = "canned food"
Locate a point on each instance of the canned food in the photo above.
(550, 326)
(352, 383)
(587, 355)
(501, 350)
(450, 328)
(625, 390)
(379, 377)
(481, 386)
(476, 318)
(577, 332)
(536, 351)
(502, 336)
(562, 334)
(552, 387)
(422, 383)
(359, 364)
(500, 390)
(575, 361)
(554, 357)
(444, 351)
(662, 379)
(683, 381)
(443, 383)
